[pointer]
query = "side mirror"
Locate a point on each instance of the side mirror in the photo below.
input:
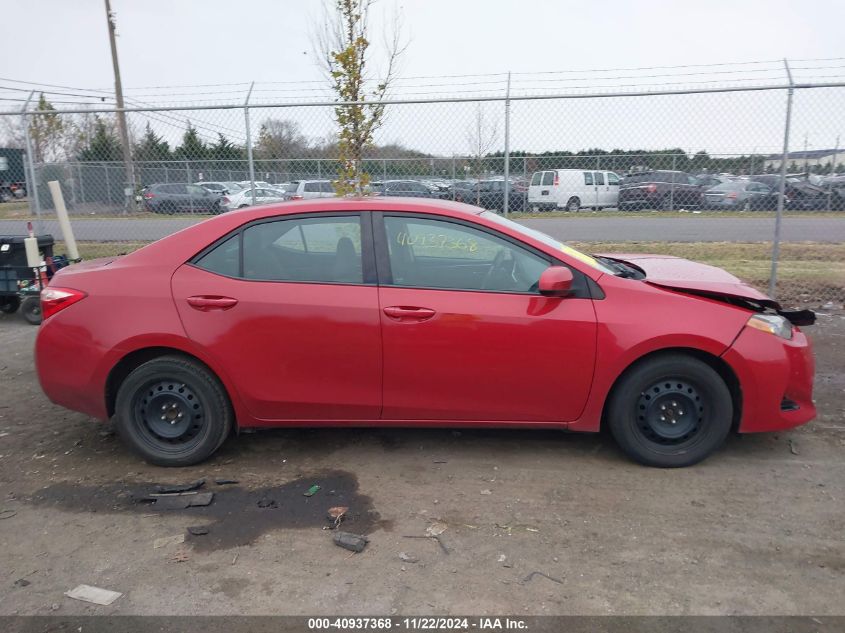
(556, 281)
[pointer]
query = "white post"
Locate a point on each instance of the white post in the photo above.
(64, 222)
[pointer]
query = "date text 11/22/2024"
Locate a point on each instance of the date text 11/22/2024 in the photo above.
(417, 624)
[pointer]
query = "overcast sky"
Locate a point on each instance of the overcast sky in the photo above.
(176, 43)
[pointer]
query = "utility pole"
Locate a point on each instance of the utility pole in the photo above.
(129, 185)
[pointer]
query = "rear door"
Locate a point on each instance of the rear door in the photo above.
(601, 189)
(534, 187)
(467, 336)
(288, 307)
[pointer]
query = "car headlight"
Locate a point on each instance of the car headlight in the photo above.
(771, 323)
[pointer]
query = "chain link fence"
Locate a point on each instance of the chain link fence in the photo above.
(693, 173)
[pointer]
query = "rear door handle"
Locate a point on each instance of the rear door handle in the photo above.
(205, 303)
(408, 313)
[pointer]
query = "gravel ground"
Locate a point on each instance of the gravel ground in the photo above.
(756, 529)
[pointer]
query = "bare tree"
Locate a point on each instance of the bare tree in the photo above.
(482, 136)
(280, 139)
(342, 45)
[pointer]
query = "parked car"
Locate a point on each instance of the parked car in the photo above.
(179, 198)
(834, 187)
(246, 184)
(800, 194)
(660, 189)
(309, 189)
(708, 181)
(742, 195)
(244, 198)
(572, 189)
(425, 313)
(490, 194)
(405, 189)
(221, 188)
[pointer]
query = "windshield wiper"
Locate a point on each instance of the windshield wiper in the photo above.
(620, 269)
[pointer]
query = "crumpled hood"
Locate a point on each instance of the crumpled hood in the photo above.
(682, 274)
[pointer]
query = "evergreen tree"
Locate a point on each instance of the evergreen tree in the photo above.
(104, 144)
(152, 147)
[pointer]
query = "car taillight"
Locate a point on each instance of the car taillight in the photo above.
(55, 300)
(651, 188)
(731, 195)
(148, 195)
(557, 179)
(296, 197)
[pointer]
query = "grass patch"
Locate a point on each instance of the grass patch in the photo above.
(15, 210)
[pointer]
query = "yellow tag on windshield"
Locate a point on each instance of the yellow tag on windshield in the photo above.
(581, 257)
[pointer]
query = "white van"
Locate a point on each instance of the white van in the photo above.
(572, 189)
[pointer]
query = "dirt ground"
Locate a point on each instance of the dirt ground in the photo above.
(756, 529)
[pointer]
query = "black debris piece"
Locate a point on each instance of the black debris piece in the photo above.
(198, 530)
(352, 542)
(194, 485)
(226, 482)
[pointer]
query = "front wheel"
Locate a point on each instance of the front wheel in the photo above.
(173, 412)
(670, 411)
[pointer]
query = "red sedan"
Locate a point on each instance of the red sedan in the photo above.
(410, 312)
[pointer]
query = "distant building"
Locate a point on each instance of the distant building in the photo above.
(810, 158)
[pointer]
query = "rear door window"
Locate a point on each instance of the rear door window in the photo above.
(548, 178)
(312, 187)
(599, 178)
(535, 179)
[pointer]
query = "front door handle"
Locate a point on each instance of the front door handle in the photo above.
(408, 313)
(205, 303)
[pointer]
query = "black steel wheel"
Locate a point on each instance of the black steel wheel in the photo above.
(670, 411)
(574, 204)
(31, 310)
(10, 305)
(173, 412)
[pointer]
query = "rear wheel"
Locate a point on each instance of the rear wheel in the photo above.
(670, 411)
(31, 310)
(173, 412)
(574, 204)
(10, 305)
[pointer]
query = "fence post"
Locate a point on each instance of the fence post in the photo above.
(773, 278)
(833, 171)
(506, 203)
(250, 162)
(108, 184)
(672, 187)
(32, 185)
(81, 184)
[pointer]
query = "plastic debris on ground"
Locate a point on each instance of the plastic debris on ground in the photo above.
(95, 595)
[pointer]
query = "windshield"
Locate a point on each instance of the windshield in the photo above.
(549, 241)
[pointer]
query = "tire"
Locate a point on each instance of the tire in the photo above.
(652, 411)
(173, 412)
(10, 305)
(746, 205)
(573, 204)
(666, 204)
(31, 310)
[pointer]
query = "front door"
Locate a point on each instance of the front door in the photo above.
(289, 308)
(466, 335)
